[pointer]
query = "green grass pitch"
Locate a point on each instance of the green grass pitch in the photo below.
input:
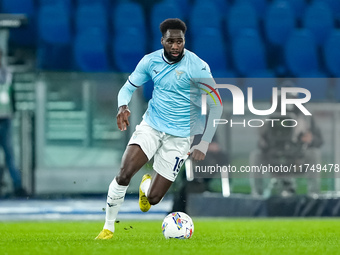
(211, 236)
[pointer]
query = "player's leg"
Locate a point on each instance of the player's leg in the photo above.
(168, 161)
(152, 190)
(142, 146)
(133, 160)
(158, 188)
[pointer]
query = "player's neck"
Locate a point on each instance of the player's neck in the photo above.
(165, 56)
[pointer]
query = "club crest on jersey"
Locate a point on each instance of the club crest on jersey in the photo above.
(179, 74)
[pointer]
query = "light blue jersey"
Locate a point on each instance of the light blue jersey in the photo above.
(170, 109)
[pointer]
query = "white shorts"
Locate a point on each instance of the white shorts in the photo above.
(169, 151)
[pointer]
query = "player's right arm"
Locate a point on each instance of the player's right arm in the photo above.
(138, 77)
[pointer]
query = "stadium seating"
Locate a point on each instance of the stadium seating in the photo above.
(160, 12)
(54, 57)
(67, 3)
(128, 16)
(334, 6)
(301, 54)
(279, 22)
(274, 20)
(260, 7)
(298, 7)
(126, 52)
(90, 51)
(318, 19)
(18, 6)
(210, 46)
(92, 15)
(183, 5)
(54, 25)
(249, 54)
(27, 35)
(81, 2)
(54, 37)
(236, 21)
(204, 16)
(221, 5)
(331, 52)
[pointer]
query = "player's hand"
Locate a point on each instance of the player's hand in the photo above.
(199, 151)
(197, 155)
(123, 117)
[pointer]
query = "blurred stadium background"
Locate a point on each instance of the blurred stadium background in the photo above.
(72, 56)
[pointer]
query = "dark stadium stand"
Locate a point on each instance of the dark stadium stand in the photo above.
(126, 52)
(160, 12)
(56, 28)
(319, 20)
(279, 22)
(334, 6)
(55, 37)
(301, 55)
(260, 7)
(26, 35)
(54, 25)
(298, 7)
(235, 21)
(331, 51)
(90, 51)
(129, 36)
(249, 55)
(221, 5)
(128, 16)
(198, 19)
(218, 59)
(90, 16)
(66, 3)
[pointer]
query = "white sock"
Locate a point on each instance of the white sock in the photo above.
(115, 197)
(145, 186)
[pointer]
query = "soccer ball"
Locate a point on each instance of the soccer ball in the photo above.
(177, 225)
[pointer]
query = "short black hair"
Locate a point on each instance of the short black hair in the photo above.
(172, 24)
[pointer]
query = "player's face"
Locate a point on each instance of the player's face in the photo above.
(173, 43)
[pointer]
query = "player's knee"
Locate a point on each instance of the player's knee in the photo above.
(154, 199)
(123, 179)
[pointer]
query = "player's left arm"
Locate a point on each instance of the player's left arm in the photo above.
(199, 151)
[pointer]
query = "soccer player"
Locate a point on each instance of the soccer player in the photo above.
(173, 115)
